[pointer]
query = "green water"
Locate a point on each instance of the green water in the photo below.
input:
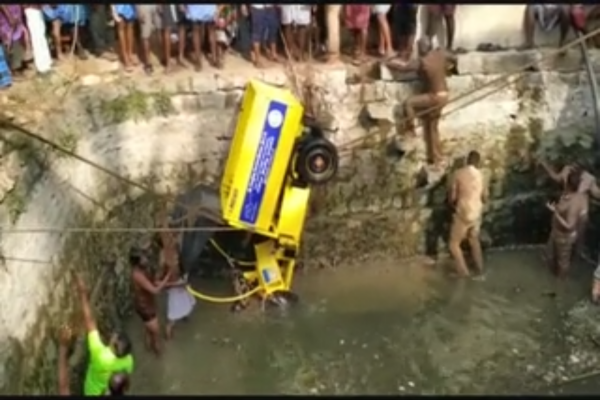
(379, 327)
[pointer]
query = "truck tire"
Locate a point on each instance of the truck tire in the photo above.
(312, 149)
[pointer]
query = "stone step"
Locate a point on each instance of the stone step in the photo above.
(504, 62)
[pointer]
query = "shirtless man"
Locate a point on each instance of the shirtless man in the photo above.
(587, 187)
(468, 193)
(144, 292)
(566, 215)
(180, 303)
(431, 66)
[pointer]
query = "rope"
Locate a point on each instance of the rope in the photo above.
(117, 230)
(28, 260)
(11, 126)
(231, 299)
(580, 39)
(230, 259)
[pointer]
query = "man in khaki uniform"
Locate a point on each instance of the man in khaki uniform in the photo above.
(468, 193)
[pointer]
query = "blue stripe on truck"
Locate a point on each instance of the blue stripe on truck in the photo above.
(263, 162)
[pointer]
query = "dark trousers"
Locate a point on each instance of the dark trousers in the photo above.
(243, 39)
(102, 36)
(265, 25)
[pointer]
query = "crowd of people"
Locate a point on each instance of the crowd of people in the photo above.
(46, 34)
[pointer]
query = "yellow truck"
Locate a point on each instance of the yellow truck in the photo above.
(277, 154)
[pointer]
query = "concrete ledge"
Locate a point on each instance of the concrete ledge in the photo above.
(508, 62)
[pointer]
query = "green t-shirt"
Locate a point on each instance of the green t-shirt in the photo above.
(103, 363)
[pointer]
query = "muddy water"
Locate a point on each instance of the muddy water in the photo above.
(378, 327)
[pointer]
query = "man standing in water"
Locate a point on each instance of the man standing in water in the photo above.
(431, 66)
(468, 193)
(144, 292)
(587, 187)
(104, 360)
(566, 215)
(180, 303)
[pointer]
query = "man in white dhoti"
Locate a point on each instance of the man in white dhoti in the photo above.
(180, 303)
(34, 19)
(296, 19)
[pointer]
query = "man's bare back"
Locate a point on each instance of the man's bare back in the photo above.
(470, 193)
(432, 69)
(569, 208)
(587, 184)
(467, 195)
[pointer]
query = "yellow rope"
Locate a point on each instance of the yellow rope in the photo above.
(231, 299)
(229, 258)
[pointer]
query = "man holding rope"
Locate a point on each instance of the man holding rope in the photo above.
(104, 359)
(180, 303)
(587, 187)
(118, 384)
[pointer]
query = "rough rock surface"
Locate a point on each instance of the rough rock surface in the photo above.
(171, 132)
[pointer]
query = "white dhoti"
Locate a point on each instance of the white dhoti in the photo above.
(180, 303)
(295, 14)
(381, 8)
(37, 31)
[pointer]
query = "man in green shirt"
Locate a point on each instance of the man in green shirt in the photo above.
(105, 360)
(119, 382)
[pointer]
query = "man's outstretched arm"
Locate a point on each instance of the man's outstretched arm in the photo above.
(553, 174)
(86, 309)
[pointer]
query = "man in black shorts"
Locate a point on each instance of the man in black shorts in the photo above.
(172, 20)
(404, 23)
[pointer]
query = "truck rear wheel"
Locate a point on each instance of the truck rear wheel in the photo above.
(317, 161)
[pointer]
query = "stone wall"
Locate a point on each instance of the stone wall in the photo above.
(172, 132)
